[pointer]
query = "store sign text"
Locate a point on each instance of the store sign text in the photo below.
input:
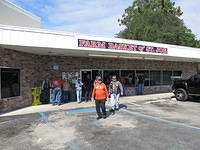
(120, 46)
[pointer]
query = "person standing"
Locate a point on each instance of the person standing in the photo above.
(88, 88)
(78, 86)
(66, 91)
(100, 94)
(115, 89)
(137, 84)
(140, 84)
(45, 98)
(57, 84)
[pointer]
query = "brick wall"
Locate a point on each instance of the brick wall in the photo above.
(27, 64)
(35, 68)
(71, 64)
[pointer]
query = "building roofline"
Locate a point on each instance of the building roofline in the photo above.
(18, 8)
(100, 36)
(16, 28)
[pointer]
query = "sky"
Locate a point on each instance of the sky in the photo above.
(96, 17)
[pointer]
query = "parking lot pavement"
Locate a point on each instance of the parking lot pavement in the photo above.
(74, 105)
(161, 124)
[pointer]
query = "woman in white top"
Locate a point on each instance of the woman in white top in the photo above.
(78, 86)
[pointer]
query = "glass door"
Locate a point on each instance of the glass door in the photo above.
(86, 75)
(107, 75)
(96, 73)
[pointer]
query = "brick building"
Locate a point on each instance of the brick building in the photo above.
(29, 55)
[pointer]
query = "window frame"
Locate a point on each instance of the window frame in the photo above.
(132, 71)
(175, 71)
(163, 77)
(20, 82)
(149, 73)
(147, 70)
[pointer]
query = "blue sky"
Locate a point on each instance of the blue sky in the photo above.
(96, 17)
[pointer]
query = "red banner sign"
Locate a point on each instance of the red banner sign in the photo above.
(121, 46)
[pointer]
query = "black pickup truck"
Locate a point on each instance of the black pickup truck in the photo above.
(185, 88)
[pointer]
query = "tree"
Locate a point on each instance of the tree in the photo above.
(156, 21)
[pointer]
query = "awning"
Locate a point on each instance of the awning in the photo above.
(54, 43)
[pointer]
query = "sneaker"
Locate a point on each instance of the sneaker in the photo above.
(104, 117)
(113, 112)
(117, 109)
(99, 118)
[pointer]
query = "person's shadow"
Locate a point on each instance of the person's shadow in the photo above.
(109, 113)
(122, 106)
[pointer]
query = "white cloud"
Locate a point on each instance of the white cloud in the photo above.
(96, 16)
(105, 27)
(88, 17)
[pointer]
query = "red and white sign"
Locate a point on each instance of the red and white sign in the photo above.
(120, 46)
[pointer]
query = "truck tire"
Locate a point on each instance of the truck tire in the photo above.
(181, 94)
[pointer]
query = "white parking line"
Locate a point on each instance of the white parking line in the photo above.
(5, 122)
(156, 101)
(171, 123)
(135, 104)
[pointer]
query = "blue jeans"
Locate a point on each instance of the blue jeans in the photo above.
(140, 89)
(115, 101)
(78, 95)
(57, 95)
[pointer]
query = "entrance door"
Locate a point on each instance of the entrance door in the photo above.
(96, 73)
(90, 75)
(86, 75)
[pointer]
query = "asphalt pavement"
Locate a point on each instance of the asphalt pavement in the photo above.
(144, 124)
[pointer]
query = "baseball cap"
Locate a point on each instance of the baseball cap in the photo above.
(114, 77)
(99, 78)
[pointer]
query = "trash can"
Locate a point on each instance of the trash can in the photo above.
(36, 92)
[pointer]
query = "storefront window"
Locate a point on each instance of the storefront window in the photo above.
(146, 76)
(127, 77)
(155, 78)
(10, 82)
(167, 77)
(107, 75)
(177, 73)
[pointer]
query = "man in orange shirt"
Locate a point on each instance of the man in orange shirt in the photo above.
(100, 94)
(57, 84)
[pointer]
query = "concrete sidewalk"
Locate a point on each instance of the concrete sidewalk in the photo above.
(75, 105)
